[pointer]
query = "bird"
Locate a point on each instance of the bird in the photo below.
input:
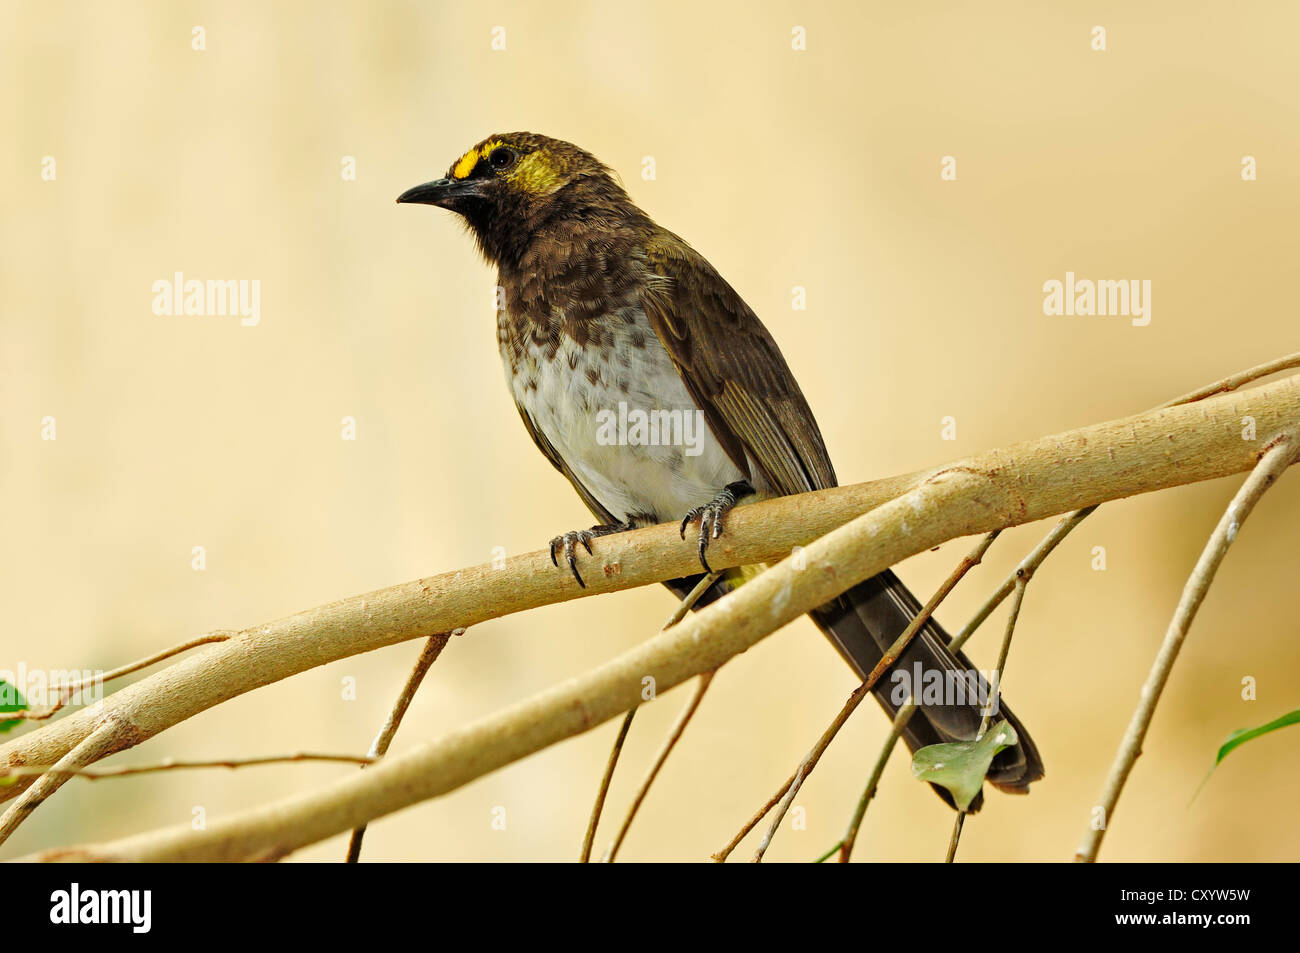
(608, 324)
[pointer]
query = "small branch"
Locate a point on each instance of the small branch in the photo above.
(889, 658)
(1240, 379)
(692, 597)
(845, 846)
(679, 613)
(679, 727)
(1276, 458)
(956, 836)
(1022, 580)
(172, 764)
(835, 848)
(379, 747)
(604, 786)
(1026, 567)
(90, 749)
(65, 692)
(722, 855)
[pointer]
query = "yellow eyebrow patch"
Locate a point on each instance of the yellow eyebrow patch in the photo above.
(465, 165)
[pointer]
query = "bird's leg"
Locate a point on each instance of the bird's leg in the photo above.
(568, 541)
(710, 515)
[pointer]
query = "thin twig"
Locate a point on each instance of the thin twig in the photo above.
(66, 691)
(753, 822)
(1027, 565)
(956, 836)
(845, 846)
(1241, 378)
(1022, 580)
(1275, 459)
(171, 764)
(379, 747)
(683, 607)
(690, 599)
(89, 749)
(829, 854)
(889, 658)
(684, 719)
(604, 786)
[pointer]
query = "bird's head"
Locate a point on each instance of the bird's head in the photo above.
(511, 186)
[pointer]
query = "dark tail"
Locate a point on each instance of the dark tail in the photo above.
(866, 620)
(863, 623)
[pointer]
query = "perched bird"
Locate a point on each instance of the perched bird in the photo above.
(606, 318)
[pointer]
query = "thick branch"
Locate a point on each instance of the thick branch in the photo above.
(268, 653)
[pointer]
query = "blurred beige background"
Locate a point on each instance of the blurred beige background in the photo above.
(817, 169)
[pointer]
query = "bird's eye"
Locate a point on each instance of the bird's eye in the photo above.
(502, 158)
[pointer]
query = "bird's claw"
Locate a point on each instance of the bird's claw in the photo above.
(567, 544)
(710, 517)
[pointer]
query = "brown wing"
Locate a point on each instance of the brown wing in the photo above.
(733, 369)
(603, 515)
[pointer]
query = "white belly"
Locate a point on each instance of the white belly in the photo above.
(625, 424)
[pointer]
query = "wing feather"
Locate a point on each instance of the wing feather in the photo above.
(733, 368)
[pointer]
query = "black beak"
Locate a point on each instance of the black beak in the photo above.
(445, 193)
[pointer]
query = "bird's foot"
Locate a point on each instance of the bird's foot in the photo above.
(710, 516)
(568, 542)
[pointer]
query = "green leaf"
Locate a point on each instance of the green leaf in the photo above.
(1239, 738)
(960, 766)
(11, 699)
